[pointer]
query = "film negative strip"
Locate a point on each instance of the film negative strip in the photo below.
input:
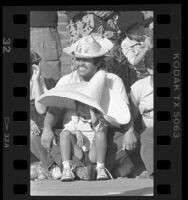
(166, 183)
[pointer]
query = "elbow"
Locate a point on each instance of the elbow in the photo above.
(41, 110)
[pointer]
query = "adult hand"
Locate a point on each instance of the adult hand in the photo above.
(109, 34)
(47, 138)
(34, 128)
(147, 43)
(36, 72)
(80, 139)
(129, 140)
(151, 26)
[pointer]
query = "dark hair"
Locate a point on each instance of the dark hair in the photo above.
(34, 59)
(148, 60)
(99, 60)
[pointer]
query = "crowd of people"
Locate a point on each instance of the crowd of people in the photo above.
(83, 125)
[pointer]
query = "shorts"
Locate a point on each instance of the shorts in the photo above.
(85, 128)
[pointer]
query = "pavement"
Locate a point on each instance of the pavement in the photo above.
(116, 187)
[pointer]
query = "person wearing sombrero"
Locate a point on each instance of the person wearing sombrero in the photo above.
(136, 43)
(103, 93)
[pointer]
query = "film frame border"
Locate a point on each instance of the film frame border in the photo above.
(167, 99)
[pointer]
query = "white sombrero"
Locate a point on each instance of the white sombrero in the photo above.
(90, 46)
(95, 93)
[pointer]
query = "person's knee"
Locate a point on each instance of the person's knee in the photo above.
(65, 135)
(92, 157)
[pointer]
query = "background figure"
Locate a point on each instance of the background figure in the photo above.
(141, 97)
(137, 42)
(45, 40)
(37, 113)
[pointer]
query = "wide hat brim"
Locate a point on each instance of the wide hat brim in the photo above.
(113, 108)
(105, 43)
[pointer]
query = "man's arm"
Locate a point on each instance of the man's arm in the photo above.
(134, 105)
(51, 117)
(130, 139)
(49, 122)
(142, 54)
(38, 92)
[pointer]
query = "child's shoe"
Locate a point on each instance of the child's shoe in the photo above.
(67, 175)
(103, 174)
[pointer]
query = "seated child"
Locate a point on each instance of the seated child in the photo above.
(85, 131)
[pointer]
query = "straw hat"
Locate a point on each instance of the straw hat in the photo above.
(90, 46)
(95, 93)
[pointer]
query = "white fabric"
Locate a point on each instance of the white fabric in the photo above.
(113, 81)
(100, 93)
(131, 48)
(113, 103)
(143, 94)
(78, 123)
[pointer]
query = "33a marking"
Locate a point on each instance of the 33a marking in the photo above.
(6, 45)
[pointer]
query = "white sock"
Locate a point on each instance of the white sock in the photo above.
(66, 164)
(100, 165)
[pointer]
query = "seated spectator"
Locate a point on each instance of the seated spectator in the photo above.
(45, 40)
(37, 114)
(136, 43)
(141, 98)
(86, 65)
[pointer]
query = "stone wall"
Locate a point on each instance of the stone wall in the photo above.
(64, 34)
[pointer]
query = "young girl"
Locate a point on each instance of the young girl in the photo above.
(84, 135)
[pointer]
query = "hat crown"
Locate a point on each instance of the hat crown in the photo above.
(88, 45)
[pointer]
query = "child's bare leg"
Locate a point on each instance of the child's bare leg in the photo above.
(98, 154)
(99, 148)
(68, 148)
